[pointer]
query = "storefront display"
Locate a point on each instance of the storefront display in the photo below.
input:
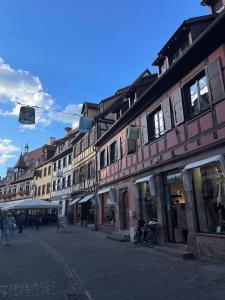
(175, 207)
(147, 203)
(108, 209)
(209, 189)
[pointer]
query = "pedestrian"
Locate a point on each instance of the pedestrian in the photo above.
(21, 221)
(37, 220)
(7, 225)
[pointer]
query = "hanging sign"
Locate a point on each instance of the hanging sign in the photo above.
(133, 133)
(85, 125)
(27, 115)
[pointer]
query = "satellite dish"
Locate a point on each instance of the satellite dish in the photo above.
(27, 115)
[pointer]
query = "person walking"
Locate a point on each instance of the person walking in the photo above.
(7, 226)
(37, 220)
(21, 221)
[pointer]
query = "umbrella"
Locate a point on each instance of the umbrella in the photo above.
(30, 203)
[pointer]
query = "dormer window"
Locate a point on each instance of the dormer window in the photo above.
(163, 67)
(217, 6)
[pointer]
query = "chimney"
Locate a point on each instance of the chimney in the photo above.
(51, 140)
(67, 130)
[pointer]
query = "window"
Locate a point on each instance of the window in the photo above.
(45, 172)
(49, 170)
(155, 124)
(69, 181)
(64, 161)
(163, 67)
(39, 190)
(59, 164)
(197, 95)
(74, 151)
(40, 173)
(43, 190)
(81, 175)
(48, 188)
(54, 185)
(63, 182)
(113, 153)
(89, 170)
(69, 159)
(55, 166)
(27, 186)
(108, 209)
(59, 185)
(102, 159)
(209, 186)
(81, 146)
(217, 6)
(131, 146)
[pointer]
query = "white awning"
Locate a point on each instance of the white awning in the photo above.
(186, 171)
(143, 179)
(197, 164)
(151, 182)
(31, 203)
(103, 191)
(74, 201)
(87, 198)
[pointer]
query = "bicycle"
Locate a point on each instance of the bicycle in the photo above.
(151, 233)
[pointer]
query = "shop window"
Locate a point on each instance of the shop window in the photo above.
(108, 209)
(155, 124)
(102, 159)
(147, 204)
(113, 153)
(197, 95)
(209, 185)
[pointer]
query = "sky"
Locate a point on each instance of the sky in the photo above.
(58, 53)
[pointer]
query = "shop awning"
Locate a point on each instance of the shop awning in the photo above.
(186, 176)
(103, 191)
(151, 182)
(30, 204)
(143, 179)
(197, 164)
(86, 199)
(74, 201)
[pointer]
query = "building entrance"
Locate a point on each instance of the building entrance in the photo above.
(175, 207)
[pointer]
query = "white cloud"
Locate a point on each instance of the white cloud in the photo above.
(21, 86)
(7, 150)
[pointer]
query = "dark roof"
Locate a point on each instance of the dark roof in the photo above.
(186, 24)
(89, 105)
(20, 163)
(212, 37)
(122, 92)
(205, 2)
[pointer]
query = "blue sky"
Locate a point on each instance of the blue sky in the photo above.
(60, 53)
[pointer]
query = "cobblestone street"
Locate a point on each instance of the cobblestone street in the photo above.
(82, 264)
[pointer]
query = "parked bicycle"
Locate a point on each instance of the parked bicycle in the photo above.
(147, 232)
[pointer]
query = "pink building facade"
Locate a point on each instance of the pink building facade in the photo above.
(174, 170)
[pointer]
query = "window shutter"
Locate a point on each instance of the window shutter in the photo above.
(178, 107)
(144, 129)
(165, 105)
(215, 79)
(98, 160)
(119, 150)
